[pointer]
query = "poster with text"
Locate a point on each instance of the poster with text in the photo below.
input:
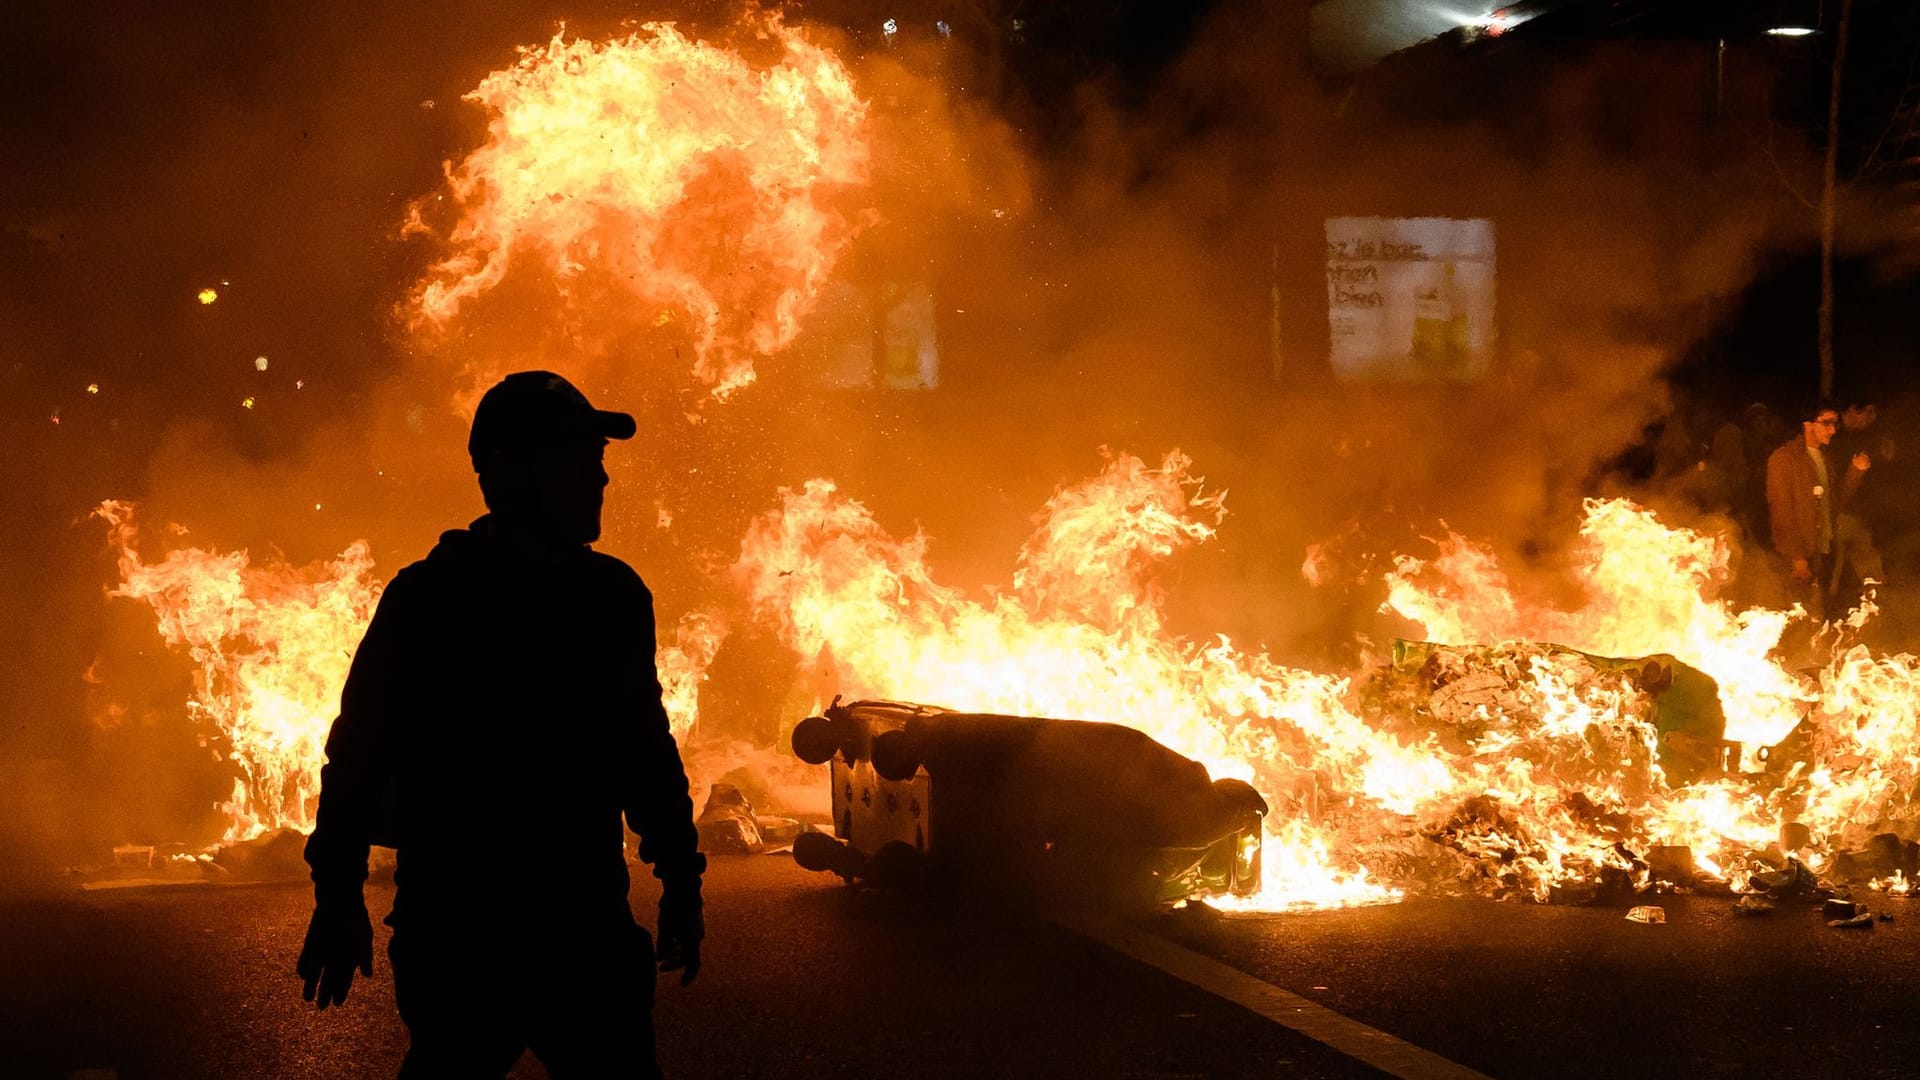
(1410, 299)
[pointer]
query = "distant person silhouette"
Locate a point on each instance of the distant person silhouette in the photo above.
(1805, 492)
(502, 712)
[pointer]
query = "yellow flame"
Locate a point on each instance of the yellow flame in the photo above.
(683, 667)
(1649, 589)
(1499, 764)
(1551, 777)
(669, 168)
(272, 643)
(1082, 635)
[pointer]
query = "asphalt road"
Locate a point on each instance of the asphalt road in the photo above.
(1519, 990)
(806, 978)
(803, 978)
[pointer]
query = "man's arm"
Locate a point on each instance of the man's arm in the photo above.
(659, 807)
(1857, 465)
(360, 750)
(1787, 539)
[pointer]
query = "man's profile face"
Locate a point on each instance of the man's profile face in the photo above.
(557, 491)
(1819, 430)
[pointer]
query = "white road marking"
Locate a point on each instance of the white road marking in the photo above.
(1388, 1053)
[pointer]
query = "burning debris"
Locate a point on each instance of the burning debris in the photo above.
(729, 825)
(274, 855)
(1685, 758)
(1554, 772)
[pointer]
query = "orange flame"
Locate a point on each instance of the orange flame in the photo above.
(1512, 767)
(683, 664)
(273, 643)
(667, 168)
(1650, 589)
(1550, 777)
(1081, 635)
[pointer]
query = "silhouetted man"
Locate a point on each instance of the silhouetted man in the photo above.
(502, 713)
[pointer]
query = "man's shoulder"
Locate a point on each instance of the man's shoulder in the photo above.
(413, 588)
(423, 573)
(613, 572)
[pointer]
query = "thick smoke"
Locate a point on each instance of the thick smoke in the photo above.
(1102, 266)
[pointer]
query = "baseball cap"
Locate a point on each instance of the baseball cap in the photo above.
(530, 409)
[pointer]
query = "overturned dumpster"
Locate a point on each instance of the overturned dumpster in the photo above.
(1024, 808)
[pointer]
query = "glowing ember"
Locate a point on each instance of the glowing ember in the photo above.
(208, 296)
(668, 168)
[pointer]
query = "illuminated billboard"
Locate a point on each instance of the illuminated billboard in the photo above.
(1410, 299)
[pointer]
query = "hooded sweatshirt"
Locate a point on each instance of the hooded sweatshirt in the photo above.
(500, 716)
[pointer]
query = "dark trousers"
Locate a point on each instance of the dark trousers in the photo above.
(474, 999)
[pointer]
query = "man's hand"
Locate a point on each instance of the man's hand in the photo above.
(681, 928)
(1801, 570)
(339, 939)
(1862, 462)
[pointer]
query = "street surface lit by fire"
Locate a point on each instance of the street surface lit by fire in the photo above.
(717, 163)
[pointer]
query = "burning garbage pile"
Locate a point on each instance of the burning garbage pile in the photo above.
(271, 644)
(1671, 748)
(1657, 744)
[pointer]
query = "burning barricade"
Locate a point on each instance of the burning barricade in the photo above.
(1661, 745)
(1024, 807)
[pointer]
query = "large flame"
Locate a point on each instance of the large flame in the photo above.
(1649, 589)
(1082, 635)
(1498, 764)
(670, 171)
(272, 643)
(1553, 778)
